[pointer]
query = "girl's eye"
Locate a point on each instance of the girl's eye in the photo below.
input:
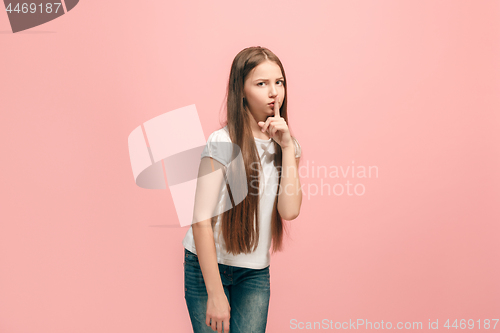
(282, 82)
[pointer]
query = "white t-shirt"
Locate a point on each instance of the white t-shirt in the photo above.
(260, 258)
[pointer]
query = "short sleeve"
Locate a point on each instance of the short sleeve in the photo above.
(219, 147)
(298, 149)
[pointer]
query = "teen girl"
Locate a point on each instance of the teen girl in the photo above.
(227, 258)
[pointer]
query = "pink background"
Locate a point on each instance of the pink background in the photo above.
(410, 87)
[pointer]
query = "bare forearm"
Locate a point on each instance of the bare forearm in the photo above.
(290, 196)
(207, 256)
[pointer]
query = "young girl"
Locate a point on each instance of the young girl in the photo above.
(226, 258)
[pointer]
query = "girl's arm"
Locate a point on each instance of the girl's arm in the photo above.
(208, 189)
(218, 308)
(290, 193)
(207, 256)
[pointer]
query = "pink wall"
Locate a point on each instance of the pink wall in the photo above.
(411, 88)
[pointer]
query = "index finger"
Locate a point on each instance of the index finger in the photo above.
(277, 107)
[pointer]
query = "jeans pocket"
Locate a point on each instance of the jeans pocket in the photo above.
(257, 279)
(191, 258)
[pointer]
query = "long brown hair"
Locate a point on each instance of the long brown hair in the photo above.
(240, 232)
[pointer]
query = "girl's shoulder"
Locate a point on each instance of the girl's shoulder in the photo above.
(219, 146)
(220, 135)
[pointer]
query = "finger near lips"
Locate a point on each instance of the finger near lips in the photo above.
(277, 107)
(276, 115)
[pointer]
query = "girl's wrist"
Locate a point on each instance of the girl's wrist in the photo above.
(216, 292)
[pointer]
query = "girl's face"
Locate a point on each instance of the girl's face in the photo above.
(262, 86)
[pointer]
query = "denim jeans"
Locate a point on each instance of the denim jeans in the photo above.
(247, 291)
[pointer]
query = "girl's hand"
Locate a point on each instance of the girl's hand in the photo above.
(277, 127)
(218, 312)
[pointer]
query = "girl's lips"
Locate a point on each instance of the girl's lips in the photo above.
(271, 104)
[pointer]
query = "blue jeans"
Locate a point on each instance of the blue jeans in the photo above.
(247, 291)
